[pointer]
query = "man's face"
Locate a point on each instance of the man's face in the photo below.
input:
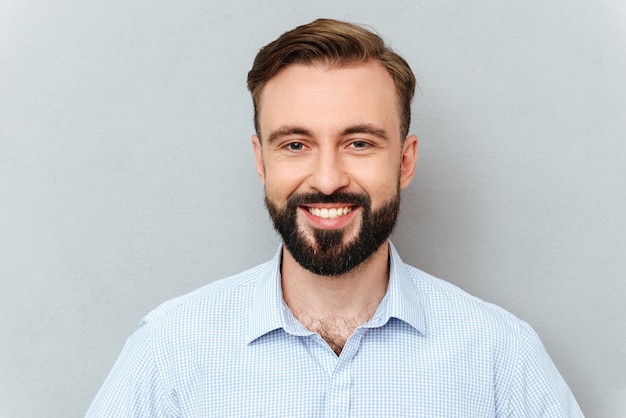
(332, 162)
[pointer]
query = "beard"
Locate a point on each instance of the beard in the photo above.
(329, 255)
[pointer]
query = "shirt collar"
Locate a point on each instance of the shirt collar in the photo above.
(269, 311)
(402, 299)
(266, 313)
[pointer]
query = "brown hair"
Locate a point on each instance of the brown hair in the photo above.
(331, 42)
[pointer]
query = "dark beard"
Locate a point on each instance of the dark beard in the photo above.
(329, 256)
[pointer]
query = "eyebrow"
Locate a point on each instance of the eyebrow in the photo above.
(366, 128)
(287, 131)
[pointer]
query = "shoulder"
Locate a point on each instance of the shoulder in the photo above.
(500, 346)
(228, 293)
(447, 306)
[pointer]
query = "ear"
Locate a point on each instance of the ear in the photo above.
(409, 160)
(258, 156)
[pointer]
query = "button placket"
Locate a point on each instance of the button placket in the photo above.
(340, 383)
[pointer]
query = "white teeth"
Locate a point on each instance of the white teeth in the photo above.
(329, 213)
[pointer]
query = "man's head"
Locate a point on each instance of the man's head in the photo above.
(330, 147)
(333, 43)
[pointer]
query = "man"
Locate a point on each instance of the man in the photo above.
(335, 324)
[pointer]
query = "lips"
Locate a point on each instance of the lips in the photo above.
(329, 216)
(334, 211)
(329, 213)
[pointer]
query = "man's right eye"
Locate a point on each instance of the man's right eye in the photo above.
(295, 146)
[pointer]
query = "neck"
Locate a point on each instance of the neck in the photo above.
(350, 298)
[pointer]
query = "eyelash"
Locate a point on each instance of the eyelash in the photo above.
(362, 144)
(300, 146)
(290, 145)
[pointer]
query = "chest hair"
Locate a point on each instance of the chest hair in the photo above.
(335, 331)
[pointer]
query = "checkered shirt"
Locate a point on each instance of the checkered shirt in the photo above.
(233, 349)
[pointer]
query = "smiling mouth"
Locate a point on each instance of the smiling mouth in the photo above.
(329, 213)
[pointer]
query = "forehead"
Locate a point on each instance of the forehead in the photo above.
(326, 97)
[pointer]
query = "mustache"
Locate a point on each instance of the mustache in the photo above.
(301, 199)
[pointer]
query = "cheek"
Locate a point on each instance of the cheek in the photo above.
(379, 180)
(281, 181)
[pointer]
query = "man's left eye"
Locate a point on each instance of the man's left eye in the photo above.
(359, 144)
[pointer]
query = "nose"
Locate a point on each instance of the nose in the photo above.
(329, 172)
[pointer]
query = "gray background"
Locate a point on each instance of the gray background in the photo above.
(127, 174)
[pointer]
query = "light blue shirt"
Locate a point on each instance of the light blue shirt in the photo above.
(233, 349)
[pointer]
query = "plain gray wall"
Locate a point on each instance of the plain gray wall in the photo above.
(127, 175)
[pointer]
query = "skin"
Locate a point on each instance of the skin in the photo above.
(327, 129)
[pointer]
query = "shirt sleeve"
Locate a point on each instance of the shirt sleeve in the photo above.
(134, 387)
(538, 390)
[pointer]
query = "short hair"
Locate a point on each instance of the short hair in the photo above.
(331, 42)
